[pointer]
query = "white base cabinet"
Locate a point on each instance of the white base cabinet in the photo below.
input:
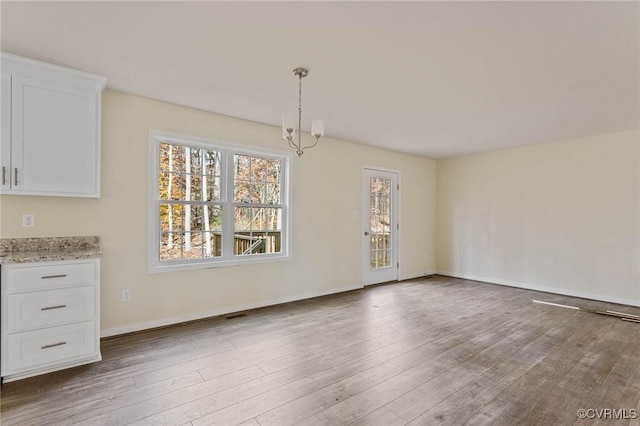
(50, 316)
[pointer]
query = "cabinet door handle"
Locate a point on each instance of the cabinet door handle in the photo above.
(48, 308)
(16, 176)
(4, 175)
(53, 345)
(46, 277)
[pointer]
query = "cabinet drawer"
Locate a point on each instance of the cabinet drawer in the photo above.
(50, 307)
(47, 276)
(48, 346)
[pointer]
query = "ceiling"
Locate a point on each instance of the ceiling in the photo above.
(435, 79)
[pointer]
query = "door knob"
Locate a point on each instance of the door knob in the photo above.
(366, 232)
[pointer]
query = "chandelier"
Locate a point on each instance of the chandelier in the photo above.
(289, 124)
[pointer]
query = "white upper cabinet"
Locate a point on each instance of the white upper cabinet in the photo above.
(50, 129)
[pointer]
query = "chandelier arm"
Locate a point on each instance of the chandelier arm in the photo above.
(292, 145)
(314, 144)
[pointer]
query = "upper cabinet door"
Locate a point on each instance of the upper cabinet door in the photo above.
(5, 132)
(54, 138)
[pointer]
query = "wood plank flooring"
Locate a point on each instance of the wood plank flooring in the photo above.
(422, 352)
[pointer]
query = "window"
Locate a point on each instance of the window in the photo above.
(216, 205)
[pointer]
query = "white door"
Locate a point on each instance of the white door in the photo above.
(380, 226)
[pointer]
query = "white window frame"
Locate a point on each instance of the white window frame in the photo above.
(227, 150)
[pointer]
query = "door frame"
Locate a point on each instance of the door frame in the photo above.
(365, 203)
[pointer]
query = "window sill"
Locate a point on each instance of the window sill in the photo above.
(157, 267)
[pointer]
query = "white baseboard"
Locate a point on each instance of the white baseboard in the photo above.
(555, 290)
(130, 328)
(414, 276)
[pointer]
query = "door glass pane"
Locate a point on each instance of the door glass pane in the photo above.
(380, 213)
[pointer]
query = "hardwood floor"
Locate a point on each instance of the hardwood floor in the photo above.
(430, 351)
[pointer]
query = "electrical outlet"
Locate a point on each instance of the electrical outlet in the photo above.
(341, 267)
(126, 295)
(28, 220)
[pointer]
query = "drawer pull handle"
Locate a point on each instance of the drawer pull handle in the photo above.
(46, 277)
(48, 308)
(53, 345)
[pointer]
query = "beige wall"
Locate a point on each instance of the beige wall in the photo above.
(562, 217)
(326, 189)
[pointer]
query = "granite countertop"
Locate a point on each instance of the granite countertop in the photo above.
(49, 249)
